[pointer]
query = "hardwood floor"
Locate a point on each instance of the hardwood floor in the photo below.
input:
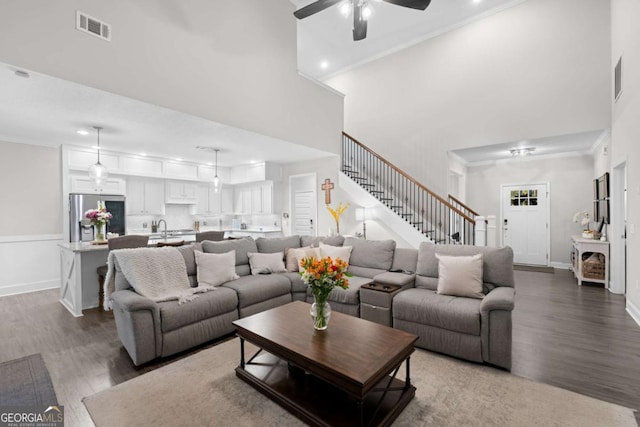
(577, 338)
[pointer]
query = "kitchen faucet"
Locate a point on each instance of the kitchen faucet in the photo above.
(164, 233)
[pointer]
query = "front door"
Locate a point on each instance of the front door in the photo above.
(525, 220)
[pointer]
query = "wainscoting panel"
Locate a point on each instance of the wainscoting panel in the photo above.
(29, 263)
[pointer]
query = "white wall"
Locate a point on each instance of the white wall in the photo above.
(625, 134)
(230, 61)
(601, 156)
(538, 69)
(30, 189)
(30, 217)
(571, 188)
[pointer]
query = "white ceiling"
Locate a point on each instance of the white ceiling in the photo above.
(43, 110)
(326, 36)
(574, 144)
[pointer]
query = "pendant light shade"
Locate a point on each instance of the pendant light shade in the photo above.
(216, 179)
(98, 173)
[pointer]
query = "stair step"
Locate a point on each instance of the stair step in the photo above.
(440, 240)
(428, 231)
(347, 167)
(376, 192)
(364, 178)
(396, 207)
(385, 199)
(406, 214)
(416, 223)
(364, 184)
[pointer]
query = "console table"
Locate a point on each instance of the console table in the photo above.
(585, 271)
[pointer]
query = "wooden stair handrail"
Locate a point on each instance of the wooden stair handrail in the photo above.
(463, 205)
(403, 173)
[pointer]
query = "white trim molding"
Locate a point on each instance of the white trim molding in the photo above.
(560, 265)
(633, 311)
(29, 263)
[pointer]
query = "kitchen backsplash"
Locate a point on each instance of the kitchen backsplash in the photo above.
(179, 217)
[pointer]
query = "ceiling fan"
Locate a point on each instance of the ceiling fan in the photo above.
(360, 11)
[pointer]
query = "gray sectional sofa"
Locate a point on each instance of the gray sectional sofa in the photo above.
(474, 329)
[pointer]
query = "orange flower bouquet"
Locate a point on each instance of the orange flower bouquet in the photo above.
(322, 275)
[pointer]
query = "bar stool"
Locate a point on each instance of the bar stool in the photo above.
(214, 236)
(123, 242)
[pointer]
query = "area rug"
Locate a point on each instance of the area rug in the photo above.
(203, 390)
(26, 382)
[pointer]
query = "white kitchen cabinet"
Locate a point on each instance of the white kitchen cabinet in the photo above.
(182, 192)
(145, 197)
(82, 184)
(255, 173)
(209, 202)
(254, 199)
(226, 200)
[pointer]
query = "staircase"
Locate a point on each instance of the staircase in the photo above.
(438, 220)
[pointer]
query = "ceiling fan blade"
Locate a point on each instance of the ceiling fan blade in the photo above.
(359, 24)
(413, 4)
(315, 7)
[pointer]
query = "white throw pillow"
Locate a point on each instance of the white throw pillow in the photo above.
(295, 255)
(460, 276)
(342, 252)
(215, 269)
(266, 263)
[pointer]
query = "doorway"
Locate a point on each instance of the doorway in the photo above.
(303, 200)
(525, 222)
(618, 232)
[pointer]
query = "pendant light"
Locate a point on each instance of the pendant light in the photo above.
(216, 179)
(98, 173)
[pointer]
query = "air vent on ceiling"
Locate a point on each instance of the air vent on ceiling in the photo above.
(90, 25)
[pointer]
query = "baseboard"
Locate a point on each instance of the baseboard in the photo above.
(633, 311)
(560, 265)
(23, 288)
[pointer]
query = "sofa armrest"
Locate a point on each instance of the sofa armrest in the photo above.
(393, 278)
(500, 298)
(129, 300)
(495, 329)
(138, 324)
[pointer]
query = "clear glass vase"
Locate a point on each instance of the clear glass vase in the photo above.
(320, 314)
(99, 232)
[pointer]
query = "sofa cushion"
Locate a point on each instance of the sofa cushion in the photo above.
(405, 259)
(254, 289)
(206, 305)
(271, 245)
(396, 279)
(215, 269)
(241, 246)
(187, 252)
(497, 265)
(335, 252)
(426, 307)
(295, 255)
(336, 240)
(297, 285)
(376, 254)
(460, 276)
(266, 263)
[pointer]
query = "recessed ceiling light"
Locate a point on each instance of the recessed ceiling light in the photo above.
(179, 159)
(142, 154)
(97, 147)
(82, 132)
(477, 1)
(366, 12)
(209, 163)
(324, 65)
(345, 8)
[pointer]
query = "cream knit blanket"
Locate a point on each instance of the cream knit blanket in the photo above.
(159, 274)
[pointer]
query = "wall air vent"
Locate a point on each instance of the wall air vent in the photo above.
(617, 79)
(95, 27)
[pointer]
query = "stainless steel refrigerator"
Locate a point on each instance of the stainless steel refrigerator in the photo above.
(80, 228)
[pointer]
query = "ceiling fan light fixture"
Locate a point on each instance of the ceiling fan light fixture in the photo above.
(345, 8)
(521, 152)
(366, 12)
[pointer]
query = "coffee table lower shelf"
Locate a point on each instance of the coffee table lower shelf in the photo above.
(319, 403)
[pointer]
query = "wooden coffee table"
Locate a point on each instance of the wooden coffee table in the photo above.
(345, 375)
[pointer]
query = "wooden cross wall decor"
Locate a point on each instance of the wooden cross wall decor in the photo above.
(327, 187)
